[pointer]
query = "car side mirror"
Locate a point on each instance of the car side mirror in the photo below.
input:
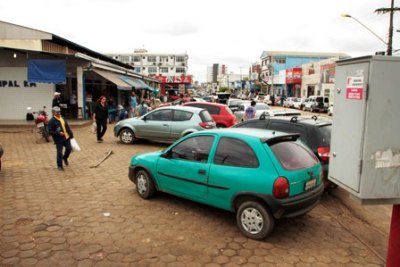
(144, 118)
(167, 154)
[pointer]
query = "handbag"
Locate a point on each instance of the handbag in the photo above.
(74, 145)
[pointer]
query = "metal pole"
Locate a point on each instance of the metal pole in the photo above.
(389, 44)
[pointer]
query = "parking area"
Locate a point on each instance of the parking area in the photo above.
(89, 216)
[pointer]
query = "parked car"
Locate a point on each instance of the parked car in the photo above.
(298, 102)
(330, 110)
(220, 113)
(261, 108)
(165, 124)
(233, 103)
(314, 131)
(288, 102)
(317, 103)
(259, 175)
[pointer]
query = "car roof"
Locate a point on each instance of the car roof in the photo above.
(263, 134)
(205, 103)
(184, 108)
(310, 120)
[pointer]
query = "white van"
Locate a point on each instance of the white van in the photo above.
(317, 103)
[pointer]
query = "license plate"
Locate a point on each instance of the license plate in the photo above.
(310, 184)
(40, 124)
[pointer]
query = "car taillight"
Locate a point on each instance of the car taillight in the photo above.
(323, 153)
(205, 125)
(281, 187)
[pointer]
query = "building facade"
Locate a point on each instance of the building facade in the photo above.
(272, 62)
(35, 64)
(170, 69)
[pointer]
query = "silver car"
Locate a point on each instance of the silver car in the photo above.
(164, 124)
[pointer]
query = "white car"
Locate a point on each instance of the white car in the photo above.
(297, 102)
(260, 109)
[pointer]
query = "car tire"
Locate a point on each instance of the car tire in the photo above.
(221, 126)
(127, 136)
(254, 220)
(144, 185)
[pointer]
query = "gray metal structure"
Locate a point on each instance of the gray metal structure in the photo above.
(365, 141)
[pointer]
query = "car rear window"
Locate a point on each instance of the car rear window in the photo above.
(325, 133)
(205, 116)
(293, 156)
(228, 110)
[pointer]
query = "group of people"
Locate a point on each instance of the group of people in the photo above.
(139, 107)
(62, 134)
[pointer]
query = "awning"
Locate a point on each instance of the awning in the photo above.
(137, 83)
(47, 71)
(115, 79)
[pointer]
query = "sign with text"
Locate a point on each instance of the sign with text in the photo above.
(355, 88)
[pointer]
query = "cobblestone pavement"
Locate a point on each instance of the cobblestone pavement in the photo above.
(93, 217)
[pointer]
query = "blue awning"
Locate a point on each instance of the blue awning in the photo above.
(47, 71)
(137, 83)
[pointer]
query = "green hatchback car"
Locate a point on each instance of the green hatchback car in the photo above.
(260, 175)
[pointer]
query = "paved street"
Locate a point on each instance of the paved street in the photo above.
(93, 217)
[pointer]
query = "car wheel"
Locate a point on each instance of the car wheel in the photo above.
(254, 220)
(144, 185)
(127, 136)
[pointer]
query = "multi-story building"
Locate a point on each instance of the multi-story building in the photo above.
(170, 69)
(318, 78)
(272, 62)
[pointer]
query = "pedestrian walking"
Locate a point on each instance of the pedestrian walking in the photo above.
(56, 100)
(133, 103)
(250, 111)
(62, 134)
(100, 116)
(142, 109)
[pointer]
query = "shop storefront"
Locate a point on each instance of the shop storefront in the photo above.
(293, 82)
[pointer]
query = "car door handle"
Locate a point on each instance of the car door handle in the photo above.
(165, 124)
(202, 171)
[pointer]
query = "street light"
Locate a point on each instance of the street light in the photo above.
(348, 16)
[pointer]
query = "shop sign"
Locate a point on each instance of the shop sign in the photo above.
(15, 83)
(293, 75)
(355, 88)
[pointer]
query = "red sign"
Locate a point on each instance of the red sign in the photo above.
(174, 79)
(354, 93)
(293, 75)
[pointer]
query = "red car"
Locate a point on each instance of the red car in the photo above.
(220, 113)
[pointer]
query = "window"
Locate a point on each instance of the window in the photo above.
(195, 149)
(137, 69)
(235, 152)
(163, 59)
(160, 115)
(152, 69)
(163, 69)
(180, 115)
(180, 70)
(151, 59)
(180, 59)
(293, 156)
(136, 59)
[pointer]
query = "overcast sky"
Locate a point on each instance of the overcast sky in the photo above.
(232, 32)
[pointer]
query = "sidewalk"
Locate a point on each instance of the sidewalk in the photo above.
(93, 217)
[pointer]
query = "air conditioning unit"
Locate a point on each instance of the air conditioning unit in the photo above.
(154, 63)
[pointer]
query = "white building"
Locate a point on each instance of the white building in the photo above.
(155, 64)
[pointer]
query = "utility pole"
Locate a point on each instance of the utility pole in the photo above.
(391, 11)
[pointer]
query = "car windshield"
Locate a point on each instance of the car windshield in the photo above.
(205, 116)
(293, 156)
